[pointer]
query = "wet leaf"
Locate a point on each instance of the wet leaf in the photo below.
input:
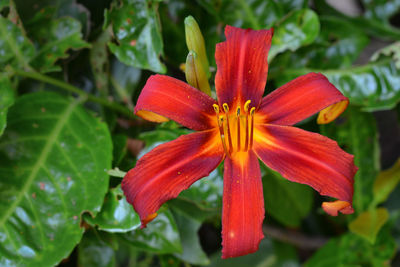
(138, 36)
(116, 215)
(15, 48)
(93, 251)
(51, 172)
(54, 37)
(6, 100)
(188, 231)
(161, 235)
(375, 86)
(282, 199)
(368, 223)
(299, 28)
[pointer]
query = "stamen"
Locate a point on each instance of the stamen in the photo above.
(224, 145)
(246, 144)
(238, 127)
(246, 106)
(226, 109)
(252, 111)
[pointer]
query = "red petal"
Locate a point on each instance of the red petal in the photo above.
(242, 66)
(298, 100)
(307, 158)
(332, 208)
(178, 101)
(170, 168)
(243, 205)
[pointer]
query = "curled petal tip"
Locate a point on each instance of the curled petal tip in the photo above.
(331, 112)
(333, 208)
(148, 219)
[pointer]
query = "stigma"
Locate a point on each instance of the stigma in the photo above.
(235, 127)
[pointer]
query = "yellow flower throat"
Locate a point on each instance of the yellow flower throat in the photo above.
(236, 128)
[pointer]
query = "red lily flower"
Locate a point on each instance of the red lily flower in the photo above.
(240, 128)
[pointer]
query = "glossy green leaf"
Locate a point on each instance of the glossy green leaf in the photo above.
(368, 223)
(380, 10)
(390, 50)
(267, 255)
(385, 183)
(285, 201)
(357, 134)
(191, 248)
(299, 28)
(116, 215)
(54, 37)
(161, 235)
(120, 148)
(352, 250)
(375, 86)
(124, 80)
(4, 3)
(15, 48)
(338, 45)
(138, 36)
(93, 251)
(51, 172)
(6, 100)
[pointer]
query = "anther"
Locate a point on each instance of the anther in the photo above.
(226, 107)
(252, 111)
(246, 106)
(216, 108)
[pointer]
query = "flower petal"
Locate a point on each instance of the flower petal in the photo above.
(243, 205)
(307, 158)
(170, 168)
(332, 208)
(330, 113)
(298, 99)
(242, 66)
(178, 101)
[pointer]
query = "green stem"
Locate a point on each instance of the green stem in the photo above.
(66, 86)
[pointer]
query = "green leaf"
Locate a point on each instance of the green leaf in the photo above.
(161, 235)
(15, 48)
(6, 100)
(390, 50)
(266, 255)
(385, 183)
(116, 215)
(368, 223)
(54, 37)
(125, 80)
(285, 201)
(338, 45)
(51, 172)
(375, 86)
(357, 133)
(138, 36)
(352, 250)
(188, 230)
(299, 28)
(95, 252)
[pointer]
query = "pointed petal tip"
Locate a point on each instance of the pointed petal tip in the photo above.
(228, 253)
(148, 219)
(333, 208)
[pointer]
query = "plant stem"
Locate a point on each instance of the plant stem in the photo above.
(66, 86)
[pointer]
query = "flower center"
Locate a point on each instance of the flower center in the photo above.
(236, 127)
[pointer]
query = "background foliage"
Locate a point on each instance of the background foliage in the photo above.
(71, 71)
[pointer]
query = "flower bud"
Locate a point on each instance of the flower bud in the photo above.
(195, 74)
(195, 42)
